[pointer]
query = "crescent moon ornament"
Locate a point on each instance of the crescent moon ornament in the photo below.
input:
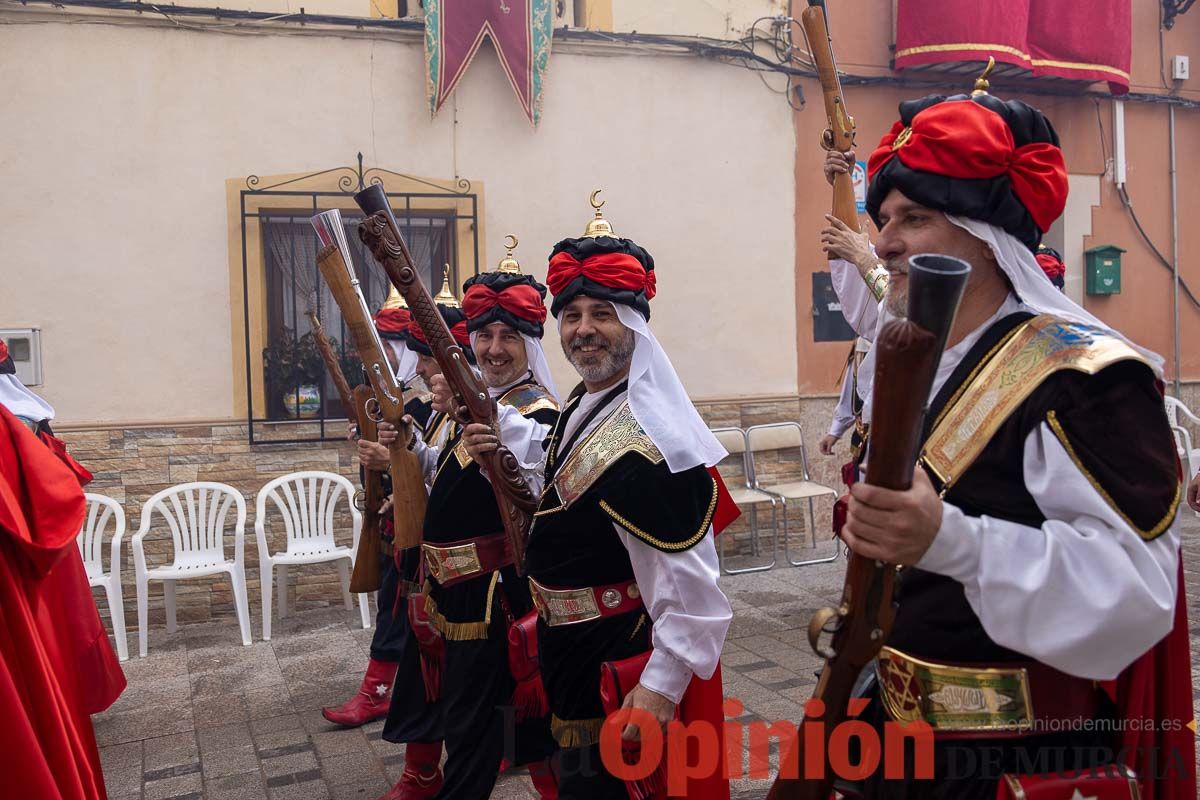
(592, 200)
(510, 246)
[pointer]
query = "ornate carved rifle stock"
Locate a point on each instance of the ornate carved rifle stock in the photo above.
(840, 133)
(907, 352)
(408, 481)
(368, 573)
(381, 234)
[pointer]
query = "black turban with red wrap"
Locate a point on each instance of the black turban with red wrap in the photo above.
(7, 367)
(456, 321)
(392, 323)
(980, 157)
(606, 268)
(518, 301)
(1051, 262)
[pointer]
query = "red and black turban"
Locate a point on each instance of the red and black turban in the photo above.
(456, 321)
(7, 367)
(518, 301)
(606, 268)
(979, 157)
(1051, 262)
(392, 323)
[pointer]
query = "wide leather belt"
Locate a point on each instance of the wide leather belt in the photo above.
(977, 701)
(570, 606)
(455, 562)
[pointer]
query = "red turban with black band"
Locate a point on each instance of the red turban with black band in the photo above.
(606, 268)
(1051, 262)
(456, 321)
(978, 157)
(7, 367)
(513, 299)
(392, 323)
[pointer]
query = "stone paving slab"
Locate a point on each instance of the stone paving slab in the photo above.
(205, 718)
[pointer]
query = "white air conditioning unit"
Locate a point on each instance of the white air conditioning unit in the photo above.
(25, 349)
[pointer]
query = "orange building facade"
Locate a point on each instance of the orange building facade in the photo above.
(1083, 114)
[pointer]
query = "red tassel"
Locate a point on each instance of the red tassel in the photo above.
(653, 786)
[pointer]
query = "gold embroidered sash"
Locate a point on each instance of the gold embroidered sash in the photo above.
(1030, 354)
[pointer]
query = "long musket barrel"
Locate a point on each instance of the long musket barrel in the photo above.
(408, 480)
(381, 233)
(840, 134)
(368, 572)
(907, 353)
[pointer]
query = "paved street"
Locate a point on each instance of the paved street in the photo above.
(204, 717)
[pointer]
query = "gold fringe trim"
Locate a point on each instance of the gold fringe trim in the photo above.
(575, 732)
(659, 543)
(461, 631)
(1004, 48)
(1153, 533)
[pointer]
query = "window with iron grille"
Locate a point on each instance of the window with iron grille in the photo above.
(289, 395)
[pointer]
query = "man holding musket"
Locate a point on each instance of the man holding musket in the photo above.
(620, 557)
(1040, 593)
(472, 592)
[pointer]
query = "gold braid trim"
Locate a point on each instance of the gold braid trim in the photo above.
(461, 631)
(659, 543)
(1153, 533)
(575, 732)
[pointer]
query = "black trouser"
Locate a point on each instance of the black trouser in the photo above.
(390, 631)
(480, 725)
(581, 776)
(411, 718)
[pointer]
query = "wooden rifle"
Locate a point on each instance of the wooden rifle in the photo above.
(368, 572)
(381, 234)
(840, 133)
(907, 353)
(408, 480)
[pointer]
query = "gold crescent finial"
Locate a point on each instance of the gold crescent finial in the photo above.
(446, 297)
(596, 205)
(597, 226)
(508, 263)
(981, 83)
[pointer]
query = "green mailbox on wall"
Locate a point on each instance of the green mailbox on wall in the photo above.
(1103, 266)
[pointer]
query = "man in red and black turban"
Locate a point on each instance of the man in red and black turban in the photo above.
(469, 597)
(626, 523)
(1040, 539)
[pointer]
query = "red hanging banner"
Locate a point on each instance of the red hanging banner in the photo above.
(1088, 40)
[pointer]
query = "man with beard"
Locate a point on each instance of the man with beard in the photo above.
(373, 697)
(472, 593)
(1039, 545)
(620, 556)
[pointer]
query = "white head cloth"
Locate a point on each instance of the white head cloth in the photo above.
(22, 402)
(1031, 285)
(537, 364)
(406, 358)
(661, 405)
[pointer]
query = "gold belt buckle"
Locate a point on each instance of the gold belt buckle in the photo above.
(950, 698)
(449, 563)
(564, 606)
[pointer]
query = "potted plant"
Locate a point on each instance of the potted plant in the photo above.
(293, 372)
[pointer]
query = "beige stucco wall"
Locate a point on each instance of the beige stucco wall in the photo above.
(115, 209)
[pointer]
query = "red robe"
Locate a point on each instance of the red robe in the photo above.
(56, 666)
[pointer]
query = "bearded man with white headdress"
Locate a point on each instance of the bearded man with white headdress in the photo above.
(1040, 595)
(620, 557)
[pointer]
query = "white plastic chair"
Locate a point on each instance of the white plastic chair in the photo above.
(787, 436)
(734, 441)
(100, 510)
(307, 502)
(197, 514)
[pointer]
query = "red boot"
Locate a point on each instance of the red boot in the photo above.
(372, 700)
(544, 780)
(422, 777)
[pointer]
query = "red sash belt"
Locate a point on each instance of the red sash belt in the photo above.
(454, 562)
(570, 606)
